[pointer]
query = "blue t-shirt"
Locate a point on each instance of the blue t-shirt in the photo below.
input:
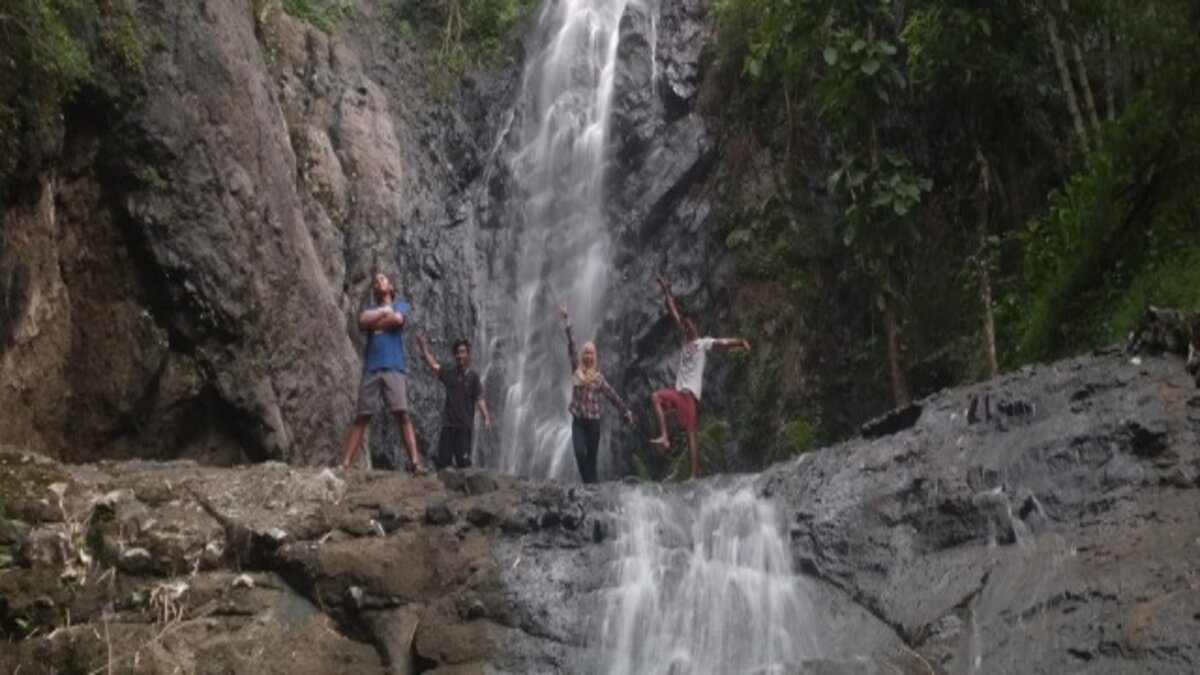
(385, 348)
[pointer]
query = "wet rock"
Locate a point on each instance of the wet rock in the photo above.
(394, 631)
(942, 545)
(1146, 441)
(439, 514)
(482, 515)
(480, 482)
(521, 520)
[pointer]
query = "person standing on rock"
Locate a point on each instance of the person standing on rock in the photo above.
(383, 382)
(587, 386)
(464, 394)
(684, 398)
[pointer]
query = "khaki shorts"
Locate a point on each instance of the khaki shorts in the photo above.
(382, 388)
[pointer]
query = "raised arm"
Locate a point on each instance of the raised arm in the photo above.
(666, 289)
(427, 356)
(571, 351)
(731, 343)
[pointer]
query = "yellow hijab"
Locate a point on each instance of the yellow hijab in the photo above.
(583, 375)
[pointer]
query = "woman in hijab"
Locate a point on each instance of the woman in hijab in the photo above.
(587, 385)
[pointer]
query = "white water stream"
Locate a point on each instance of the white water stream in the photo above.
(705, 589)
(559, 248)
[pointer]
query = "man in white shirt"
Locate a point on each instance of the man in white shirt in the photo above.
(684, 398)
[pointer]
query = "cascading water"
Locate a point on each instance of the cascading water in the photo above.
(557, 246)
(705, 589)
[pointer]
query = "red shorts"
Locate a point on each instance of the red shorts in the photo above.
(684, 405)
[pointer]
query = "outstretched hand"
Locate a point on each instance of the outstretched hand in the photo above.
(745, 344)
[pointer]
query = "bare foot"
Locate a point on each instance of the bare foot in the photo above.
(662, 442)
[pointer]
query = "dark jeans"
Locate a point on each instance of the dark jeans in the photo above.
(585, 436)
(454, 448)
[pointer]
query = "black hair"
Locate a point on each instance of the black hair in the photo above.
(392, 293)
(461, 342)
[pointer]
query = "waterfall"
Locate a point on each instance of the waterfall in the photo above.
(555, 245)
(703, 589)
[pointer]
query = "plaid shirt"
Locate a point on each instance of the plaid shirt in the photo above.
(585, 399)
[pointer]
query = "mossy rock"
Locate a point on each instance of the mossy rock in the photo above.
(31, 601)
(25, 488)
(76, 651)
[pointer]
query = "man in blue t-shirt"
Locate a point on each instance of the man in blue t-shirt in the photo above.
(383, 372)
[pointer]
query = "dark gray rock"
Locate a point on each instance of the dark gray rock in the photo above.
(439, 514)
(980, 542)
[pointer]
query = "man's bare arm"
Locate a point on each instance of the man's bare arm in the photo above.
(483, 410)
(666, 289)
(427, 356)
(731, 343)
(391, 319)
(368, 318)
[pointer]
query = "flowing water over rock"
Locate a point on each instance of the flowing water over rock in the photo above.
(557, 247)
(704, 588)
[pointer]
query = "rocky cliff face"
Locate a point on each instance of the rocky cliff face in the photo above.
(180, 278)
(1043, 522)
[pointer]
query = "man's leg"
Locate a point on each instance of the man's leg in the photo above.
(404, 426)
(445, 449)
(656, 401)
(691, 440)
(462, 458)
(354, 439)
(395, 394)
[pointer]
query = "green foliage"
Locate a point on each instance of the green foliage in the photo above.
(150, 177)
(472, 33)
(1119, 235)
(796, 437)
(121, 37)
(49, 50)
(42, 63)
(713, 437)
(712, 444)
(943, 132)
(324, 15)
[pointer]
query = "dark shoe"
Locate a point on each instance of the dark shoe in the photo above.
(418, 469)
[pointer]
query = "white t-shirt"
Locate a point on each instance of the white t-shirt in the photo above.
(691, 366)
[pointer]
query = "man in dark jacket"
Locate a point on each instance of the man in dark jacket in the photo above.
(464, 394)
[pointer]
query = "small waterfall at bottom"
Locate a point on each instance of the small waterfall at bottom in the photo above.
(703, 589)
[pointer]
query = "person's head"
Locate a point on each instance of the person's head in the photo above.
(690, 331)
(462, 353)
(587, 355)
(382, 287)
